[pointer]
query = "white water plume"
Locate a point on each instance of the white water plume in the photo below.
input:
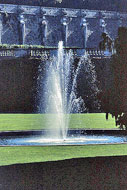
(60, 92)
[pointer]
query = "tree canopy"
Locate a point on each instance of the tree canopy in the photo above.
(114, 98)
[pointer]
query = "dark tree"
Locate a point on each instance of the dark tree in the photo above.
(114, 98)
(88, 87)
(106, 42)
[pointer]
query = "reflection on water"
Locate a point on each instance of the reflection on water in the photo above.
(37, 140)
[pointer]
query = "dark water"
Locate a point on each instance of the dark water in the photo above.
(40, 140)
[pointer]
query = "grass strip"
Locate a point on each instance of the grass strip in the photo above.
(41, 121)
(18, 155)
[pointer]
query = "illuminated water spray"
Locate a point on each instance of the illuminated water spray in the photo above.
(60, 93)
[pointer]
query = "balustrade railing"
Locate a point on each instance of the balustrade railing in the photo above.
(7, 52)
(45, 53)
(95, 52)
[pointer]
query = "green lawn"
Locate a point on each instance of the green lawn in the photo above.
(41, 121)
(14, 155)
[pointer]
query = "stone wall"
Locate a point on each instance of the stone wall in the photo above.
(112, 5)
(20, 24)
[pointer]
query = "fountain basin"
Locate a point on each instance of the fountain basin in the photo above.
(74, 137)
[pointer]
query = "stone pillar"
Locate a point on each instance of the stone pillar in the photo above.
(64, 23)
(21, 29)
(84, 28)
(44, 30)
(103, 25)
(1, 28)
(120, 21)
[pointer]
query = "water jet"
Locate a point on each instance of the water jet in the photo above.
(60, 92)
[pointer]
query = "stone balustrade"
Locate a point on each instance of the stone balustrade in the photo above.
(45, 53)
(52, 11)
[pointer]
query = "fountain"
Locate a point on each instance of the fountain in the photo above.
(60, 92)
(61, 100)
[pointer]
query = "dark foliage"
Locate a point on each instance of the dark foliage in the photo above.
(106, 42)
(88, 87)
(114, 98)
(18, 85)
